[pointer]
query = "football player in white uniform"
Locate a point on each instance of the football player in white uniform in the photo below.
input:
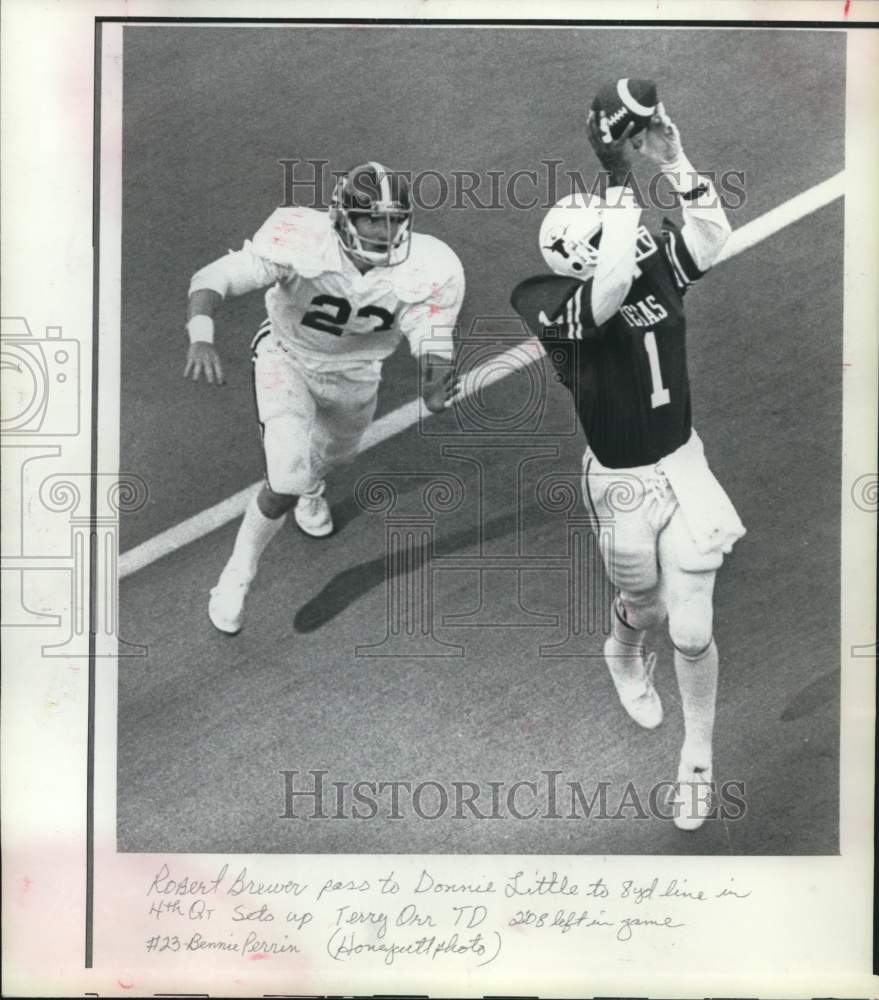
(344, 287)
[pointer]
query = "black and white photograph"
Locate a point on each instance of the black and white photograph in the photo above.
(439, 498)
(531, 340)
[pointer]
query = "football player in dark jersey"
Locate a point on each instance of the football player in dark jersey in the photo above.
(612, 319)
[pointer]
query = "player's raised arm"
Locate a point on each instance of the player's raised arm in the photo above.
(706, 227)
(615, 268)
(235, 274)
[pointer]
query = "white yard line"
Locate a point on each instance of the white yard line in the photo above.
(785, 214)
(517, 357)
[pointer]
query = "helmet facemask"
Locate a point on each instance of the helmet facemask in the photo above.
(570, 236)
(372, 192)
(578, 257)
(392, 249)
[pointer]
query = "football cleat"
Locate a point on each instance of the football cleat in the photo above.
(638, 697)
(692, 796)
(372, 191)
(226, 604)
(312, 513)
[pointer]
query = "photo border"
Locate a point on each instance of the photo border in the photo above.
(99, 191)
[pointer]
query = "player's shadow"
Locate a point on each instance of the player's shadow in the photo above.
(356, 581)
(347, 510)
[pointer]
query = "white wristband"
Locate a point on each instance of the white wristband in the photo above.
(200, 330)
(681, 173)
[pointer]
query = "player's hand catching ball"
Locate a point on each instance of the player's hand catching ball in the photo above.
(614, 155)
(660, 141)
(439, 385)
(202, 359)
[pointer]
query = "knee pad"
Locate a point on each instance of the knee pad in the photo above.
(289, 481)
(643, 609)
(289, 466)
(691, 630)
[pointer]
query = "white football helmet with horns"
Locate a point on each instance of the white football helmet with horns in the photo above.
(570, 235)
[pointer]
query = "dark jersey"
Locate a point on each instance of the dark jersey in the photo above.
(629, 375)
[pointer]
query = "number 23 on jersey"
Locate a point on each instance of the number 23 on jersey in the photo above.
(335, 313)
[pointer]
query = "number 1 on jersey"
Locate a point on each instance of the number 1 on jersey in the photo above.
(660, 395)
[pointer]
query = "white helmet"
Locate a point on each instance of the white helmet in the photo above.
(570, 234)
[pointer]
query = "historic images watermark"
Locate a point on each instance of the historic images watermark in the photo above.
(414, 566)
(309, 183)
(549, 795)
(501, 469)
(41, 411)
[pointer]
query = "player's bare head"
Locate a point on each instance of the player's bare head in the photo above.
(371, 211)
(570, 235)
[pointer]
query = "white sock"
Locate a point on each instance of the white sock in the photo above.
(697, 680)
(254, 535)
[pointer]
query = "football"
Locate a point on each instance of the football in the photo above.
(624, 101)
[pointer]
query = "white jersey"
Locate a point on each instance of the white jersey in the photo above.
(324, 311)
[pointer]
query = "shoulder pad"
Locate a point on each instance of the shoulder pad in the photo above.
(301, 238)
(541, 301)
(431, 264)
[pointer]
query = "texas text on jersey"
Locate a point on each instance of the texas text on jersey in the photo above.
(628, 376)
